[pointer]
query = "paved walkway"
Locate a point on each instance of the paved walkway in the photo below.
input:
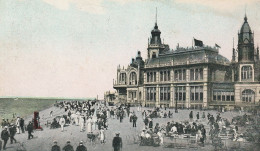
(43, 140)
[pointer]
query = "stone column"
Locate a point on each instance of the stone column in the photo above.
(172, 96)
(205, 95)
(187, 101)
(157, 96)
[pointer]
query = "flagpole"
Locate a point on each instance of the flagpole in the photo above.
(192, 42)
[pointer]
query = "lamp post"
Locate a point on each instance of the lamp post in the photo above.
(176, 106)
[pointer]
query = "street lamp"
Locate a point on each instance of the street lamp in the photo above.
(176, 106)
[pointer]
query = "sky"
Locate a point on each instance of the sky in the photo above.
(71, 48)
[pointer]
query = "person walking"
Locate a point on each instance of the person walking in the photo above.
(30, 130)
(151, 123)
(102, 135)
(191, 115)
(12, 131)
(22, 124)
(5, 136)
(134, 120)
(55, 146)
(62, 123)
(198, 116)
(18, 125)
(81, 123)
(117, 143)
(81, 147)
(68, 147)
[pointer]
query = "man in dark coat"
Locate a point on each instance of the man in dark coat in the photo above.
(81, 147)
(134, 120)
(191, 115)
(151, 123)
(68, 147)
(12, 130)
(117, 143)
(22, 124)
(198, 115)
(55, 147)
(5, 136)
(30, 130)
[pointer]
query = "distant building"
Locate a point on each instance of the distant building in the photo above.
(196, 77)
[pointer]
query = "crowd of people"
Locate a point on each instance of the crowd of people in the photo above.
(92, 118)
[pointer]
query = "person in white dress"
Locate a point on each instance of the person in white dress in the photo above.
(81, 123)
(102, 135)
(62, 123)
(160, 134)
(89, 125)
(18, 125)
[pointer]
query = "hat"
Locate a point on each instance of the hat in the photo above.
(68, 141)
(81, 142)
(6, 127)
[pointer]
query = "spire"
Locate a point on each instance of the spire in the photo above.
(245, 18)
(234, 53)
(156, 17)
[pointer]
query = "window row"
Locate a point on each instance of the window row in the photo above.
(196, 74)
(151, 94)
(180, 93)
(180, 75)
(132, 94)
(165, 93)
(223, 96)
(165, 75)
(196, 93)
(151, 76)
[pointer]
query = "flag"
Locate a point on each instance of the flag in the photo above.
(198, 42)
(216, 45)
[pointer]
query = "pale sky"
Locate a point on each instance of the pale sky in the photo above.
(71, 48)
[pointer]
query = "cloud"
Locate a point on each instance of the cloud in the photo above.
(91, 6)
(227, 6)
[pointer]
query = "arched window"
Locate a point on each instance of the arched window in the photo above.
(246, 73)
(154, 55)
(122, 78)
(248, 95)
(132, 78)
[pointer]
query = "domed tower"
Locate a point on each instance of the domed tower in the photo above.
(246, 55)
(155, 46)
(245, 43)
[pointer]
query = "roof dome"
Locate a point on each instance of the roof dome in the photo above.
(245, 27)
(156, 29)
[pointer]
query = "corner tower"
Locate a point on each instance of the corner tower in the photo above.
(245, 43)
(155, 46)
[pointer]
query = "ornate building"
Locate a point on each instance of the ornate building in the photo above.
(196, 77)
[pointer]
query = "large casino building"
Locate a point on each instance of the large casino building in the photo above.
(196, 77)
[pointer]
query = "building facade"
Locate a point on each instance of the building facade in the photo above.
(196, 77)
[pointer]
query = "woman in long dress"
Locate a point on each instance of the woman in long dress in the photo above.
(89, 125)
(102, 135)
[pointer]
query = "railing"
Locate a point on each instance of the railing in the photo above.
(172, 63)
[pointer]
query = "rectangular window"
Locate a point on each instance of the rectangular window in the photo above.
(176, 75)
(169, 76)
(191, 74)
(201, 73)
(201, 96)
(223, 98)
(180, 74)
(184, 74)
(161, 76)
(196, 74)
(154, 77)
(164, 79)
